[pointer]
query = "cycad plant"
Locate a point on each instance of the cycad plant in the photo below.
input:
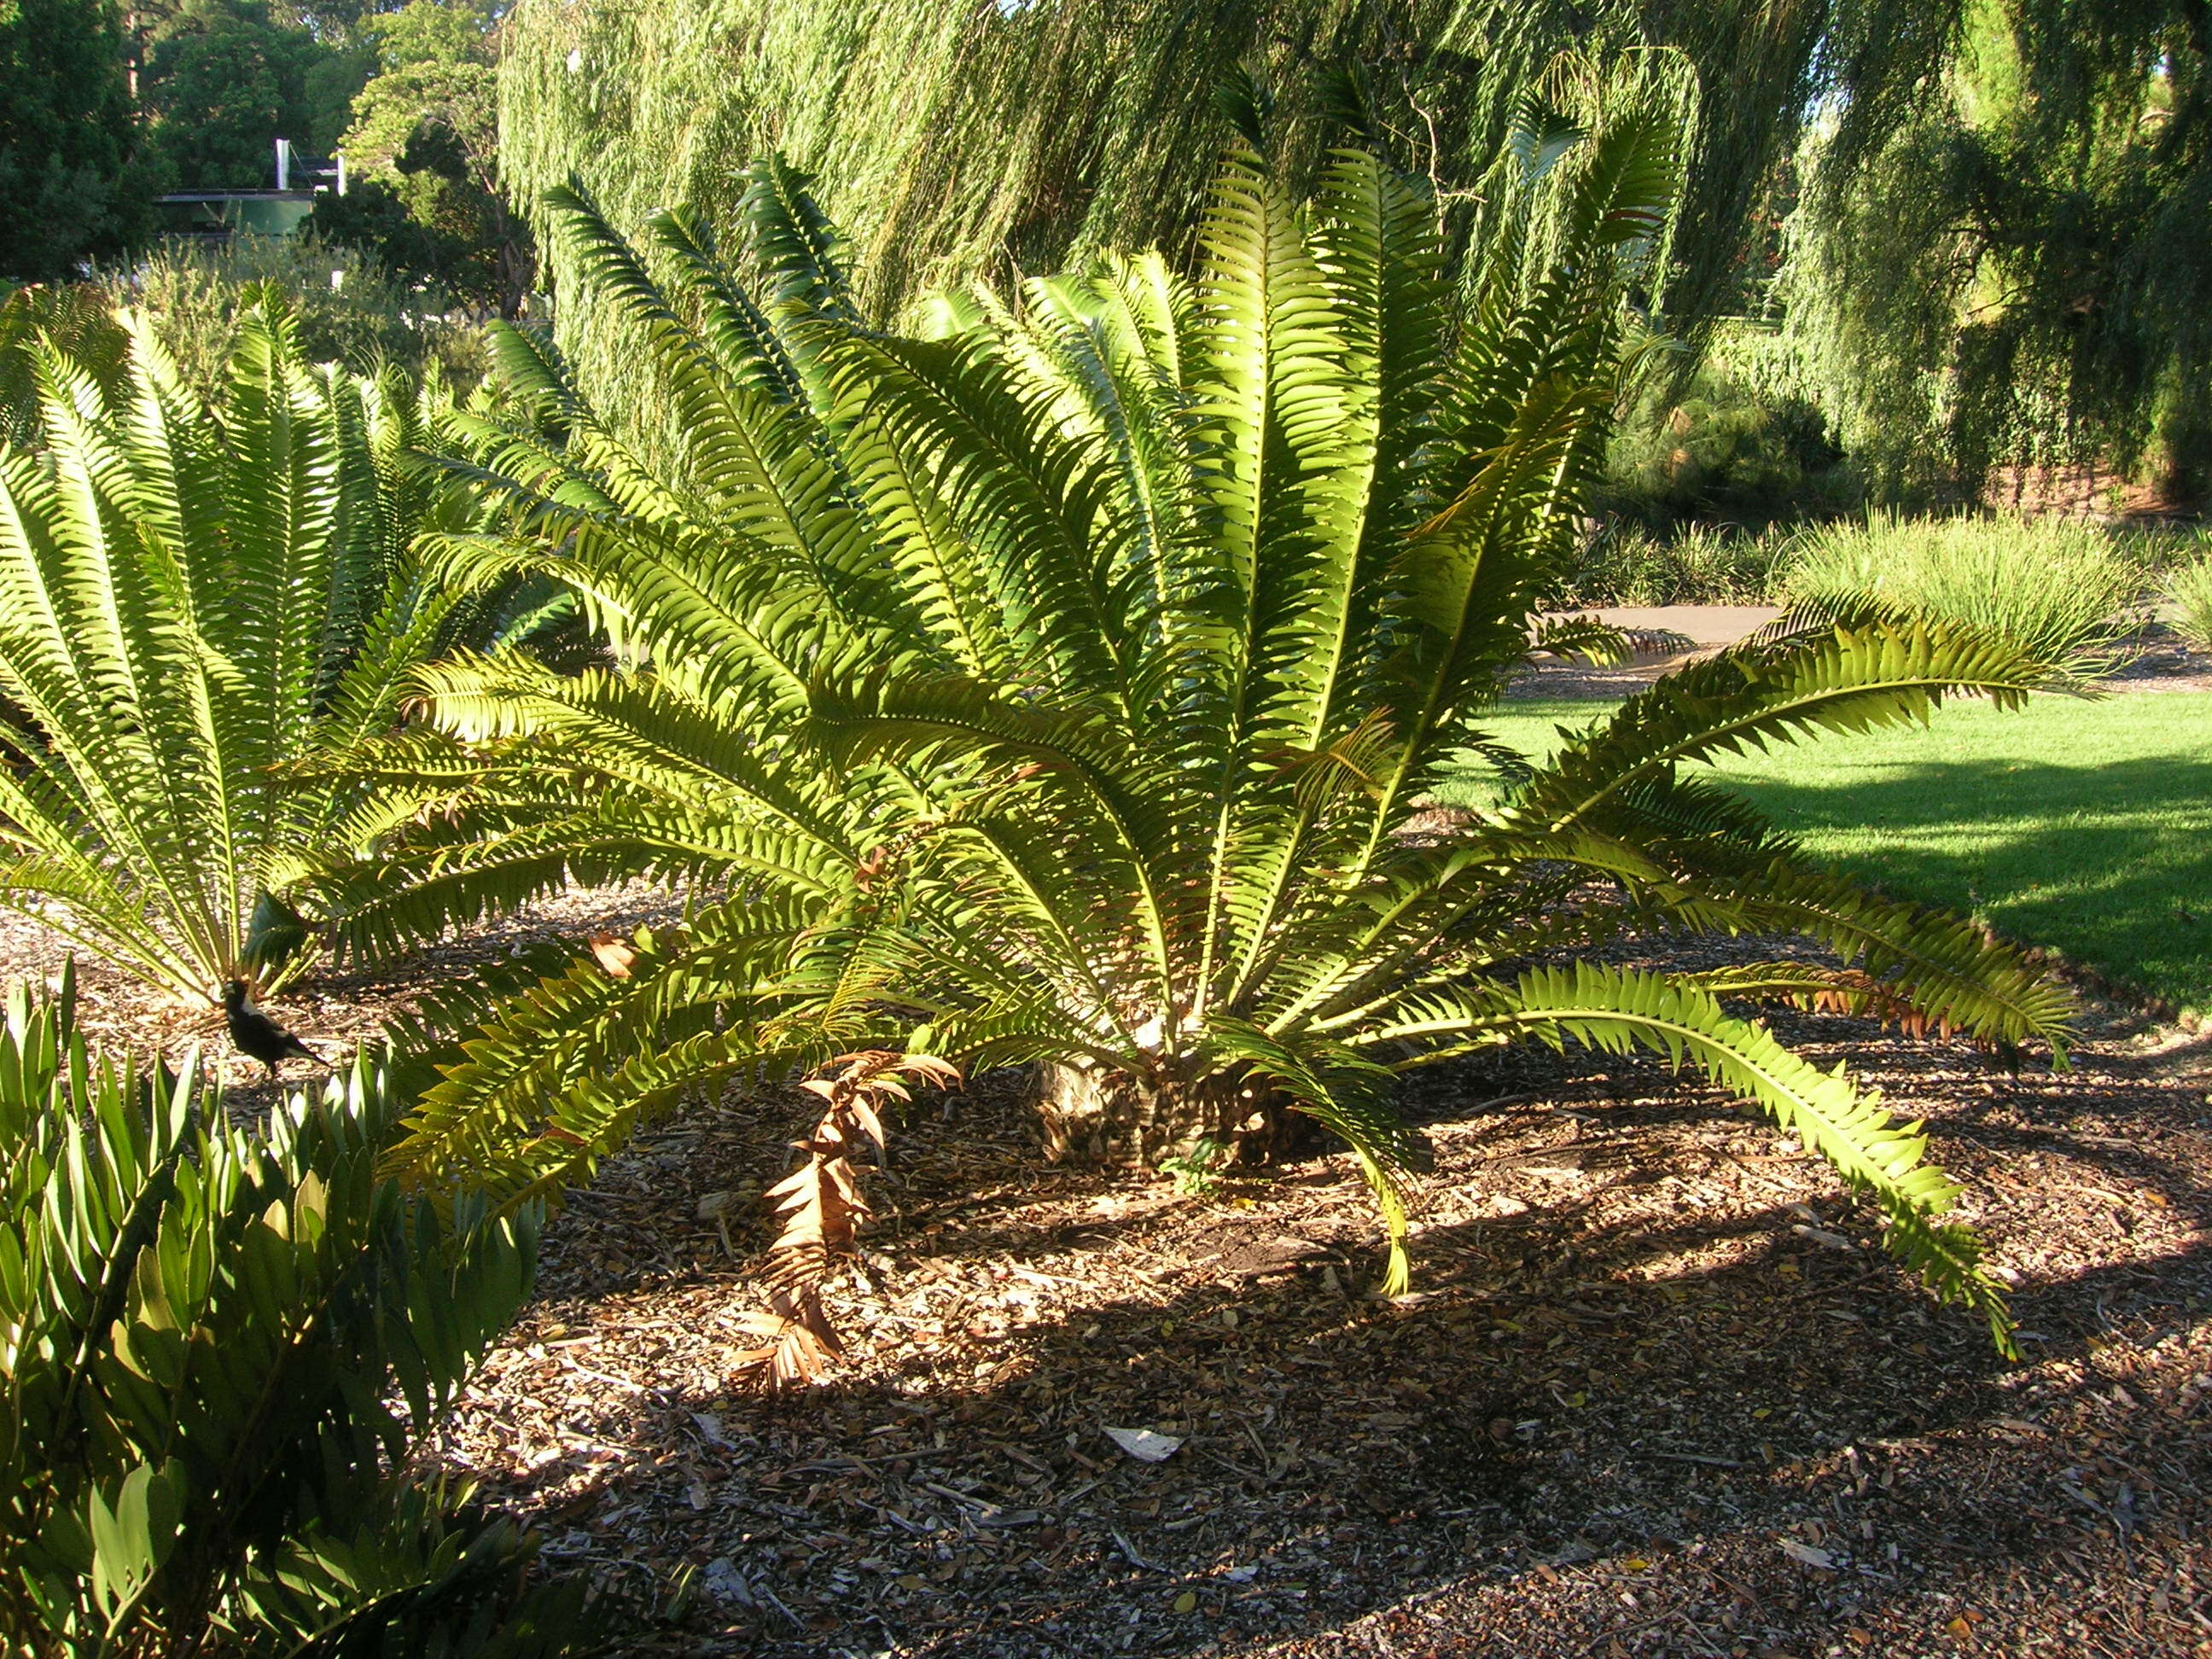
(194, 601)
(220, 1349)
(1059, 691)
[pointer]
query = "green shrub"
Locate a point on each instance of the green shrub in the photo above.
(1737, 445)
(1699, 564)
(1055, 692)
(220, 1349)
(199, 297)
(2188, 596)
(2062, 590)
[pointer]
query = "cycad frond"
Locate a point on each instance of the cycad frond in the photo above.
(1057, 689)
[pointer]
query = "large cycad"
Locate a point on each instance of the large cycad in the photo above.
(193, 603)
(1059, 690)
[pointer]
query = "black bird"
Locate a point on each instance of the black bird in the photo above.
(252, 1032)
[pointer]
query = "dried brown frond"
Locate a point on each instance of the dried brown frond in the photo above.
(612, 954)
(822, 1206)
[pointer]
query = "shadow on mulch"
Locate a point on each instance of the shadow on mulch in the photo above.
(1654, 1393)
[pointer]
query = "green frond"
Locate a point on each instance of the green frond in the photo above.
(1850, 680)
(1616, 1009)
(559, 1076)
(1344, 1092)
(1951, 974)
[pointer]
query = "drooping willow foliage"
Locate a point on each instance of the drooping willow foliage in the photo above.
(2012, 267)
(985, 139)
(1998, 247)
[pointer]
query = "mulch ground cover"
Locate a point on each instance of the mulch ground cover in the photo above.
(1655, 1392)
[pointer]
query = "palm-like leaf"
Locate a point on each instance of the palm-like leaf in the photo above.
(1056, 692)
(193, 603)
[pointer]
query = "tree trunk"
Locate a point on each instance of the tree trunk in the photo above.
(1095, 1116)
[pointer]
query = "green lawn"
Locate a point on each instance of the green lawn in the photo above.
(2086, 827)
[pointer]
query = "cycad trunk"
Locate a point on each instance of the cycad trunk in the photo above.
(1097, 1115)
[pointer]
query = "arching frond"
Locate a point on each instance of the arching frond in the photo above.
(1057, 688)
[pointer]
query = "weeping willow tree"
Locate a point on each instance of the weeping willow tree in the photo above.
(2011, 268)
(983, 140)
(1998, 254)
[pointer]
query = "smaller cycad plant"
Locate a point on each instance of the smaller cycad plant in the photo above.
(194, 601)
(2060, 589)
(220, 1350)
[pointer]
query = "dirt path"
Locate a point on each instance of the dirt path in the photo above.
(2164, 664)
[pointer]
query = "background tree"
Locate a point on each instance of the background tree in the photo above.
(69, 190)
(423, 147)
(2004, 190)
(957, 140)
(224, 79)
(2014, 269)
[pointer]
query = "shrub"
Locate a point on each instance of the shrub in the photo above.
(193, 603)
(200, 298)
(1625, 564)
(1057, 691)
(2059, 588)
(1737, 445)
(220, 1349)
(2189, 597)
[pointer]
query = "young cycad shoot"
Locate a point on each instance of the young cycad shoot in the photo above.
(1058, 689)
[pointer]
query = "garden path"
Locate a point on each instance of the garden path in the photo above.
(2164, 664)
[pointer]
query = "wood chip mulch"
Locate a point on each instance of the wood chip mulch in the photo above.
(1655, 1392)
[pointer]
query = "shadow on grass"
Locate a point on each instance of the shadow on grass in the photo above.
(2109, 865)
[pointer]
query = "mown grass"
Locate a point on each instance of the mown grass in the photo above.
(2084, 827)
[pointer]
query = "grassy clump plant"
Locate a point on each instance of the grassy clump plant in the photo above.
(1697, 564)
(2188, 596)
(2065, 591)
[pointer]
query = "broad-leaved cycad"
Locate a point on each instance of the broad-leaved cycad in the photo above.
(223, 1351)
(193, 602)
(1059, 690)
